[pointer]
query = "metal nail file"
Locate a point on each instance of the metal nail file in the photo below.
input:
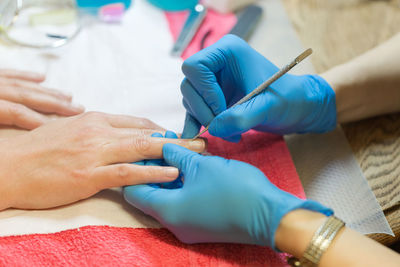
(192, 24)
(247, 21)
(262, 87)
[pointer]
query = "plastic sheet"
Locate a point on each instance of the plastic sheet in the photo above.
(330, 174)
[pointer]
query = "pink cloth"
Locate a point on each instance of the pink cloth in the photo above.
(218, 24)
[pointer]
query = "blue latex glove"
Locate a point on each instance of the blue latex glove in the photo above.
(220, 201)
(218, 76)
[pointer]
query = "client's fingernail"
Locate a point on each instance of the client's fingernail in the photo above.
(78, 106)
(171, 172)
(198, 145)
(66, 94)
(39, 76)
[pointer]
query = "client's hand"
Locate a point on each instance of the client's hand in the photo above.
(70, 159)
(24, 102)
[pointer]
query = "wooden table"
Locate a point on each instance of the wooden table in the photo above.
(338, 31)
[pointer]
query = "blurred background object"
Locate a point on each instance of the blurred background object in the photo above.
(174, 5)
(248, 18)
(53, 23)
(110, 11)
(193, 22)
(100, 3)
(39, 24)
(226, 6)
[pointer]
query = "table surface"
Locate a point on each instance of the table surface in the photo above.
(339, 31)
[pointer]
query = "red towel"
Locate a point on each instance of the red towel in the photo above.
(112, 246)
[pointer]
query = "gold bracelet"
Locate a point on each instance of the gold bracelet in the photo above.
(320, 242)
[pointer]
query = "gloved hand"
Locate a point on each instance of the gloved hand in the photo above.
(220, 201)
(218, 76)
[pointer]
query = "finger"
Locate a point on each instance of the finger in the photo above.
(196, 105)
(20, 116)
(136, 148)
(131, 174)
(129, 132)
(178, 183)
(150, 200)
(180, 158)
(23, 75)
(241, 118)
(191, 127)
(200, 70)
(40, 101)
(47, 103)
(31, 86)
(123, 121)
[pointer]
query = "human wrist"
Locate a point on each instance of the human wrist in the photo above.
(296, 230)
(345, 79)
(6, 192)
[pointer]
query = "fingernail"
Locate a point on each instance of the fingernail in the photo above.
(77, 106)
(36, 75)
(197, 145)
(65, 94)
(171, 172)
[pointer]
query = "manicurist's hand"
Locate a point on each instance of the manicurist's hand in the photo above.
(24, 103)
(218, 76)
(70, 159)
(220, 201)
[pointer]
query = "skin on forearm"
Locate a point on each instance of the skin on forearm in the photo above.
(349, 248)
(6, 193)
(368, 85)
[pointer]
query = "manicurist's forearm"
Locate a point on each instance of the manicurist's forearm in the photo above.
(349, 248)
(368, 85)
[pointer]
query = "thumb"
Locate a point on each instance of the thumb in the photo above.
(239, 119)
(148, 199)
(181, 158)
